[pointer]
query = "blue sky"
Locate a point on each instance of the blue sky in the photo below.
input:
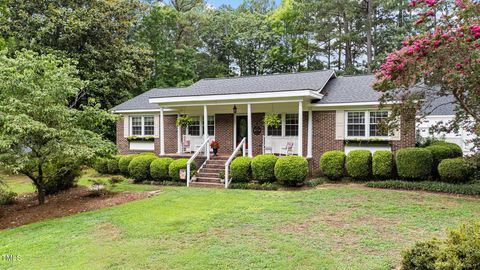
(233, 3)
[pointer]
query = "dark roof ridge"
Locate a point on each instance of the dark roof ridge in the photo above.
(268, 75)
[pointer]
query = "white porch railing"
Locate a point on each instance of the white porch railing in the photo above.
(205, 147)
(241, 145)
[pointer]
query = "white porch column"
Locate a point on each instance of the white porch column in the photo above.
(162, 133)
(205, 129)
(249, 130)
(179, 137)
(310, 134)
(300, 128)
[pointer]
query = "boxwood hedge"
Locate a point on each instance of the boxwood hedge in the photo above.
(454, 170)
(332, 164)
(124, 162)
(101, 165)
(159, 169)
(139, 167)
(241, 170)
(359, 164)
(382, 164)
(291, 170)
(177, 165)
(414, 163)
(263, 168)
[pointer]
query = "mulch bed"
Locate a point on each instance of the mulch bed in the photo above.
(26, 209)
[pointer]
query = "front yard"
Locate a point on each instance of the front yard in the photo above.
(331, 227)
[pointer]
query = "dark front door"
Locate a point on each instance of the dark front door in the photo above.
(241, 128)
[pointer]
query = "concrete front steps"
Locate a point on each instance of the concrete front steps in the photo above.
(208, 175)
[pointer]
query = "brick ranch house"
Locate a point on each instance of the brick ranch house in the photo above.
(319, 112)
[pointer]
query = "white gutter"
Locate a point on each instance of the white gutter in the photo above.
(236, 97)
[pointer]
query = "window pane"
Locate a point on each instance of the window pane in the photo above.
(194, 128)
(272, 131)
(356, 124)
(137, 126)
(211, 126)
(291, 125)
(148, 126)
(375, 119)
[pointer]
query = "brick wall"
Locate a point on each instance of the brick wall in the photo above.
(224, 132)
(323, 138)
(257, 139)
(407, 133)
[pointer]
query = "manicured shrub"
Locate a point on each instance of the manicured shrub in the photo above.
(465, 189)
(139, 167)
(459, 250)
(291, 170)
(454, 170)
(6, 196)
(382, 164)
(439, 153)
(263, 168)
(332, 164)
(177, 165)
(414, 163)
(159, 169)
(60, 176)
(112, 165)
(101, 165)
(124, 162)
(116, 179)
(241, 170)
(455, 148)
(359, 164)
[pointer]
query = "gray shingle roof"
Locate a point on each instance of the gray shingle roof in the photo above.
(440, 106)
(350, 89)
(140, 102)
(314, 80)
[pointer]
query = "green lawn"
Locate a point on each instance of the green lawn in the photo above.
(191, 228)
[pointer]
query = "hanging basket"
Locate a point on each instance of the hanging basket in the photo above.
(184, 121)
(272, 120)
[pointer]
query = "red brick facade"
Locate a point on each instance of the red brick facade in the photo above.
(323, 135)
(224, 132)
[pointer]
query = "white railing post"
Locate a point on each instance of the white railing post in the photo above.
(192, 158)
(241, 145)
(244, 149)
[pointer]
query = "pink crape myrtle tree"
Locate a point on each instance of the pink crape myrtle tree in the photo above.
(443, 60)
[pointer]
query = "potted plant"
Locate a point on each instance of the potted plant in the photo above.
(272, 120)
(215, 145)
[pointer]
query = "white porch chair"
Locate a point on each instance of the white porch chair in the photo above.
(186, 146)
(267, 149)
(288, 149)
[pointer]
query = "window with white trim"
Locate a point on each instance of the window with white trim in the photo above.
(142, 126)
(274, 131)
(211, 125)
(194, 128)
(137, 126)
(365, 124)
(291, 125)
(375, 119)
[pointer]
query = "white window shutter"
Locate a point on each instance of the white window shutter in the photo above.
(340, 125)
(156, 126)
(126, 126)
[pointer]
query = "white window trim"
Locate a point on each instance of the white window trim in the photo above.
(367, 125)
(201, 126)
(283, 127)
(142, 125)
